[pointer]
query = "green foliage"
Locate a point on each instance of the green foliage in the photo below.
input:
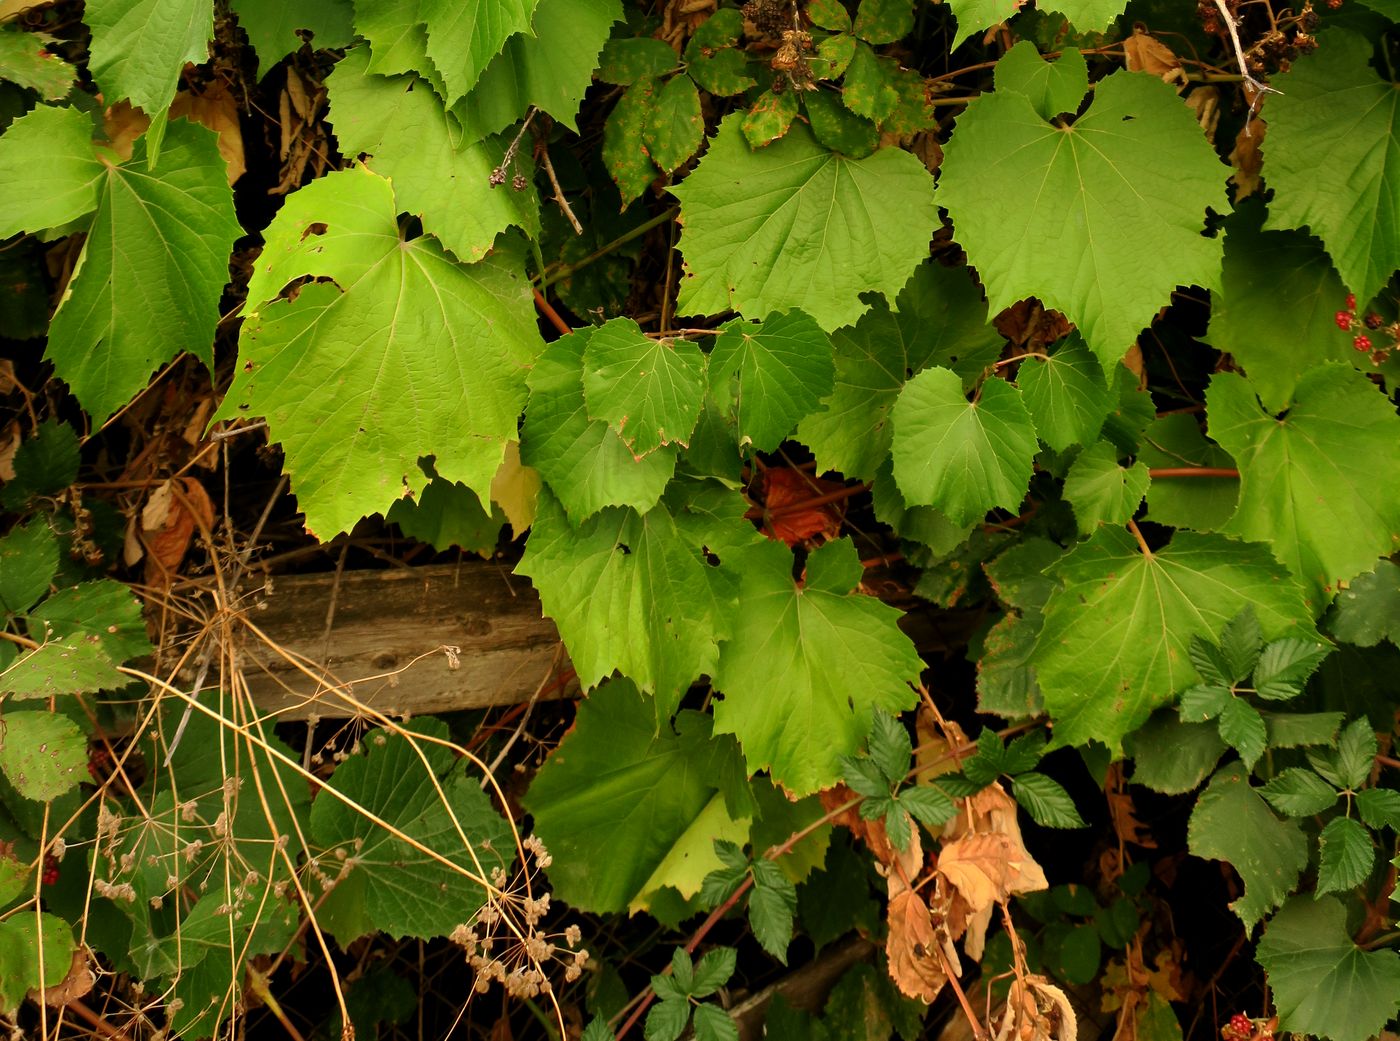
(1134, 478)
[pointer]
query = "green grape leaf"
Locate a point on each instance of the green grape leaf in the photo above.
(1296, 792)
(774, 374)
(1379, 807)
(939, 318)
(1199, 503)
(629, 593)
(28, 563)
(840, 129)
(463, 38)
(692, 858)
(160, 244)
(434, 352)
(139, 48)
(674, 126)
(649, 390)
(448, 515)
(1276, 311)
(1117, 631)
(1242, 728)
(26, 60)
(973, 15)
(1173, 756)
(1323, 983)
(616, 797)
(20, 966)
(629, 59)
(627, 161)
(1110, 231)
(800, 689)
(549, 68)
(811, 229)
(1065, 395)
(868, 89)
(438, 174)
(713, 1023)
(1046, 800)
(769, 118)
(1101, 491)
(423, 791)
(586, 462)
(1346, 854)
(1336, 177)
(1050, 87)
(883, 21)
(1307, 479)
(1367, 611)
(273, 26)
(398, 42)
(962, 457)
(43, 754)
(1232, 823)
(724, 73)
(772, 905)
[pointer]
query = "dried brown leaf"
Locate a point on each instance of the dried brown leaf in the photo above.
(168, 522)
(1146, 53)
(989, 868)
(74, 986)
(214, 107)
(912, 948)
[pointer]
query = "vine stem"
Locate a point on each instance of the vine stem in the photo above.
(549, 278)
(547, 309)
(1142, 542)
(818, 500)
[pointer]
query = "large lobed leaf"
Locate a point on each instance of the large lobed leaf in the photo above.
(464, 35)
(1118, 629)
(154, 263)
(793, 225)
(403, 354)
(1308, 482)
(1086, 217)
(1338, 175)
(812, 662)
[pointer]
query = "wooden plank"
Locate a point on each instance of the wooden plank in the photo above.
(383, 621)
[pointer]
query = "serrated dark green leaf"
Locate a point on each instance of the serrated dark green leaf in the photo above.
(1046, 800)
(1296, 792)
(890, 747)
(43, 754)
(868, 89)
(1284, 667)
(1356, 753)
(598, 1030)
(45, 463)
(1346, 855)
(772, 905)
(448, 515)
(1065, 395)
(649, 391)
(667, 1019)
(28, 563)
(1201, 703)
(1368, 610)
(1242, 728)
(626, 60)
(883, 21)
(864, 777)
(1379, 808)
(1231, 822)
(1322, 983)
(713, 1023)
(76, 666)
(627, 161)
(1300, 729)
(272, 26)
(723, 73)
(769, 118)
(1101, 491)
(1171, 756)
(927, 804)
(25, 60)
(712, 971)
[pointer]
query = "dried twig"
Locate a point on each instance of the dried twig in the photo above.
(559, 199)
(1259, 88)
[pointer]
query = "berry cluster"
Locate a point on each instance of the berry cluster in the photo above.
(1347, 322)
(49, 875)
(1242, 1028)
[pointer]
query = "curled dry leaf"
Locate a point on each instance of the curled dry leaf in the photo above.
(1145, 53)
(784, 515)
(1037, 1010)
(1247, 159)
(913, 946)
(168, 522)
(988, 869)
(9, 444)
(217, 109)
(73, 986)
(900, 868)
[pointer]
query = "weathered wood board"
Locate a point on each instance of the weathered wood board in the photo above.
(383, 621)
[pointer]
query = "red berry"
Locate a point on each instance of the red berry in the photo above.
(1343, 319)
(1373, 320)
(50, 873)
(1242, 1025)
(1361, 342)
(1351, 301)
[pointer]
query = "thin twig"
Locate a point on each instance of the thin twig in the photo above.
(547, 309)
(1192, 471)
(1249, 81)
(559, 199)
(568, 270)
